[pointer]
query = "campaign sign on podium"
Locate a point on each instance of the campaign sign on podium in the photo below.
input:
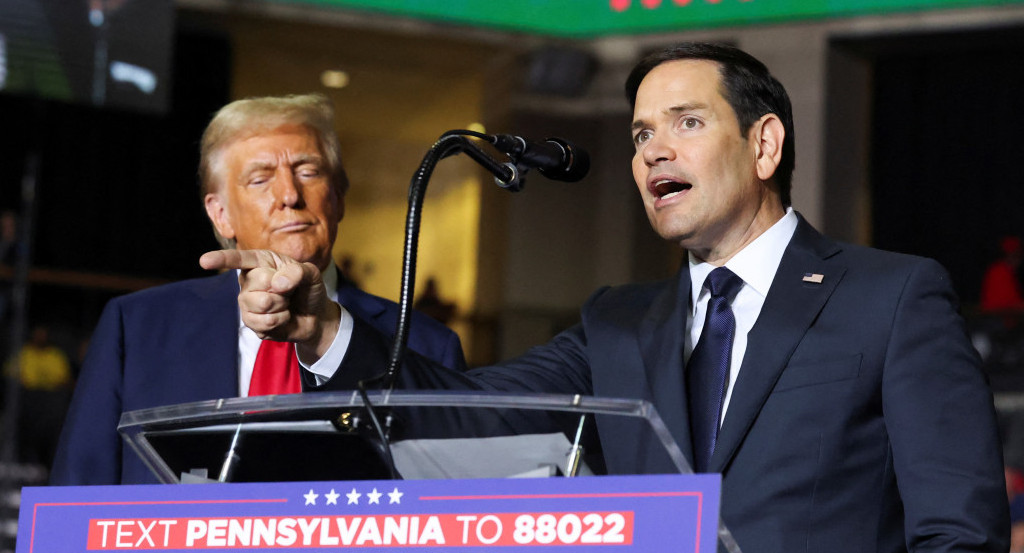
(652, 513)
(434, 470)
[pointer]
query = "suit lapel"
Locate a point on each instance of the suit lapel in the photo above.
(219, 300)
(661, 343)
(358, 302)
(789, 310)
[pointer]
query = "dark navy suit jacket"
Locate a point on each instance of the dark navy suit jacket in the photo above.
(860, 420)
(178, 343)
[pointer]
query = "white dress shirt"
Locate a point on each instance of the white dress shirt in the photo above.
(324, 368)
(756, 264)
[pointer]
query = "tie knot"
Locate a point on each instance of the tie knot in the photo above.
(723, 283)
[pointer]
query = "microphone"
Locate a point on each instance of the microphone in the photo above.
(555, 158)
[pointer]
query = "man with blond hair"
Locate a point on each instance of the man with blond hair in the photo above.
(272, 179)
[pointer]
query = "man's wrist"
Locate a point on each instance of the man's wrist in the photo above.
(313, 349)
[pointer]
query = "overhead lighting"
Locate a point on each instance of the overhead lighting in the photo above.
(477, 127)
(332, 78)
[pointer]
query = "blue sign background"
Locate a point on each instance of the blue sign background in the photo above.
(666, 511)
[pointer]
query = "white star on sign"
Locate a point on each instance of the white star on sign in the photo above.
(332, 498)
(311, 497)
(353, 497)
(374, 496)
(395, 496)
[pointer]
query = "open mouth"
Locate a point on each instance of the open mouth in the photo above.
(664, 189)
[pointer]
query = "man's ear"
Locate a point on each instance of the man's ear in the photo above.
(768, 134)
(218, 215)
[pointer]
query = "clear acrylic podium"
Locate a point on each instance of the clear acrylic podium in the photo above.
(161, 435)
(442, 434)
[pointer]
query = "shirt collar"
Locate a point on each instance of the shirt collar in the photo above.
(330, 276)
(756, 263)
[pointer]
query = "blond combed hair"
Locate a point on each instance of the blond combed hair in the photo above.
(244, 118)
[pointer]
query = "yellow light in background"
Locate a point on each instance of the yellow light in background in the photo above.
(332, 78)
(477, 127)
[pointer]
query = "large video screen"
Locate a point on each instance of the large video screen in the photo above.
(106, 53)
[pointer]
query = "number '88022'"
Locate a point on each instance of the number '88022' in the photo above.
(569, 528)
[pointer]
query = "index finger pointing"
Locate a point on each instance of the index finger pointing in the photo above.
(238, 259)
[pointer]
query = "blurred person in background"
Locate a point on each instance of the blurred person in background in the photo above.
(1001, 287)
(44, 373)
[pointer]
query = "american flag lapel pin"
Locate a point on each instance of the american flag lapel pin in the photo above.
(816, 278)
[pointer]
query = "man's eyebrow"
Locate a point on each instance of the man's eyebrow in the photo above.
(680, 108)
(303, 159)
(267, 165)
(256, 165)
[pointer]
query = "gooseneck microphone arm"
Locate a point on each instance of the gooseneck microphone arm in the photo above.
(445, 146)
(450, 143)
(556, 159)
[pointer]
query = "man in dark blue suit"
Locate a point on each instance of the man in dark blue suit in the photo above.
(849, 413)
(272, 179)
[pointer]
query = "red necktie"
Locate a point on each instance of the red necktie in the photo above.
(276, 370)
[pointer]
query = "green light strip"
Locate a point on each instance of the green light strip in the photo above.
(590, 18)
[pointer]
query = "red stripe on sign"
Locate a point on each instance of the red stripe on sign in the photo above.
(410, 530)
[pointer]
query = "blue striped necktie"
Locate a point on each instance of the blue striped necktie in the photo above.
(707, 372)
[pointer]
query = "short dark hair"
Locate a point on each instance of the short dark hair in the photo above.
(748, 87)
